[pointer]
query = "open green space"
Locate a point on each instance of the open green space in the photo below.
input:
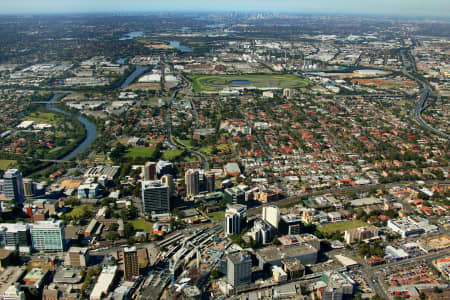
(341, 226)
(217, 215)
(218, 82)
(44, 117)
(80, 212)
(142, 225)
(172, 154)
(142, 152)
(6, 164)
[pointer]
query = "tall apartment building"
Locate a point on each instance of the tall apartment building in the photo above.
(271, 214)
(168, 180)
(239, 268)
(155, 197)
(130, 263)
(210, 180)
(48, 235)
(28, 187)
(13, 185)
(191, 179)
(13, 236)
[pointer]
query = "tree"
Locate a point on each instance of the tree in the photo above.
(128, 230)
(215, 274)
(112, 236)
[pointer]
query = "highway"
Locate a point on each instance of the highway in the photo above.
(419, 108)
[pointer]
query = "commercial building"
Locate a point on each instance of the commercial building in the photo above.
(360, 234)
(48, 235)
(89, 191)
(13, 292)
(191, 179)
(337, 282)
(104, 283)
(234, 195)
(150, 171)
(293, 268)
(262, 232)
(163, 167)
(396, 253)
(235, 217)
(305, 253)
(130, 263)
(290, 224)
(77, 257)
(232, 169)
(271, 214)
(408, 226)
(239, 268)
(13, 185)
(13, 236)
(155, 197)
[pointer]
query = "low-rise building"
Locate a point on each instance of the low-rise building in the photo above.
(104, 283)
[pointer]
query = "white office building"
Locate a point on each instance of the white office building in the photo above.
(48, 236)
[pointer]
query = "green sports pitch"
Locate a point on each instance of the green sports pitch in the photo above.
(213, 83)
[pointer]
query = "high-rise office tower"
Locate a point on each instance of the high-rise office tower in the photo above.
(150, 171)
(191, 180)
(28, 187)
(155, 197)
(130, 263)
(13, 185)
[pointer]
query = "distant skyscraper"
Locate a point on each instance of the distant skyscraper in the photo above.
(163, 167)
(130, 263)
(48, 235)
(271, 214)
(155, 197)
(191, 180)
(239, 268)
(168, 180)
(210, 182)
(13, 185)
(150, 171)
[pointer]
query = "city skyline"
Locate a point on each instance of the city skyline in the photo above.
(435, 8)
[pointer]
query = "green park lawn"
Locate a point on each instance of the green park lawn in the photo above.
(80, 211)
(6, 164)
(142, 225)
(143, 152)
(341, 226)
(44, 117)
(172, 155)
(218, 82)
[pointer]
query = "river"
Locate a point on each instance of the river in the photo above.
(139, 70)
(91, 128)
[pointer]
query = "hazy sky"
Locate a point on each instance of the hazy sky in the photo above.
(388, 7)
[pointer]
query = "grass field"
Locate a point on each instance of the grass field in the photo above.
(43, 117)
(341, 226)
(218, 82)
(217, 215)
(80, 211)
(140, 152)
(6, 164)
(172, 154)
(142, 225)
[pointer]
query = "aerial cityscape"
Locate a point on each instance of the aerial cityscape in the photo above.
(229, 152)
